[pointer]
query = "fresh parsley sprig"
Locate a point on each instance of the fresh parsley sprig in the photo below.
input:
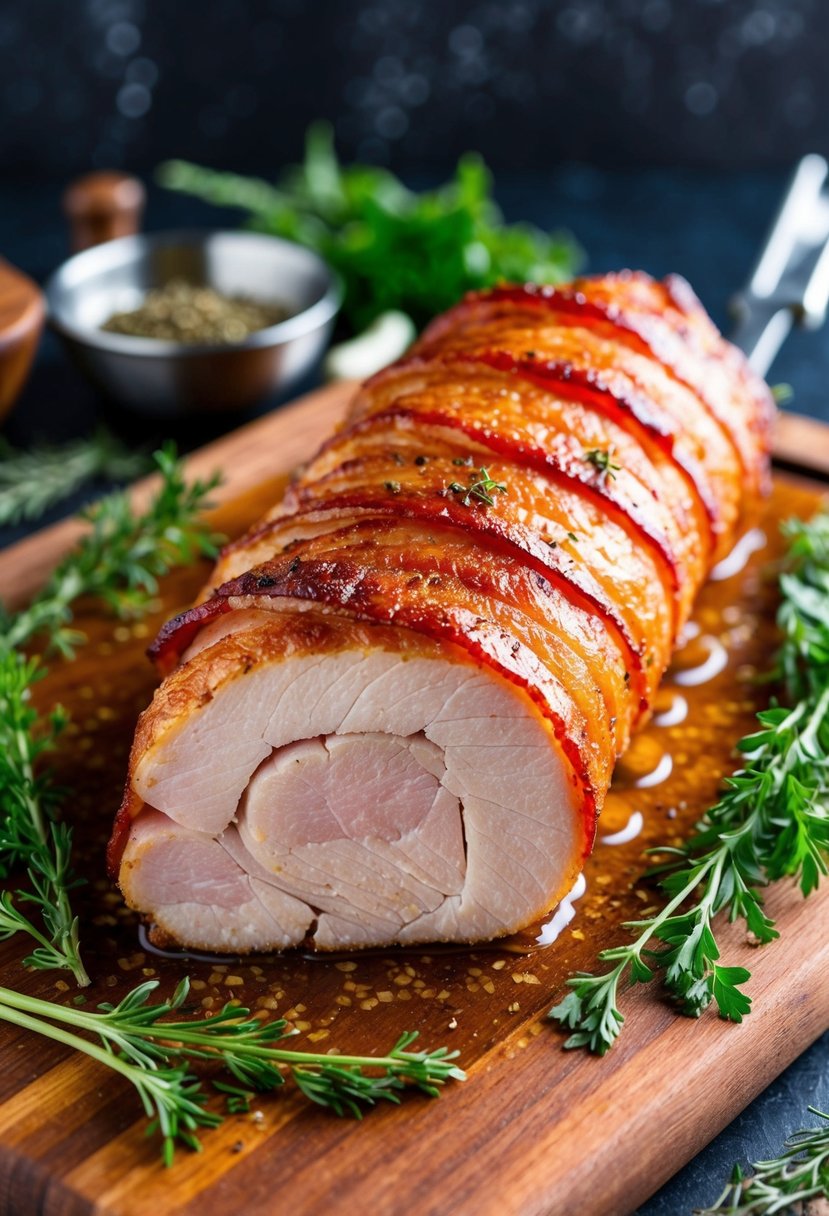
(772, 821)
(32, 481)
(136, 1039)
(119, 560)
(479, 486)
(799, 1174)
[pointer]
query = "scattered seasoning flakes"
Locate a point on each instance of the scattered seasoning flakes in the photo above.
(499, 964)
(385, 996)
(453, 1025)
(513, 1008)
(346, 966)
(318, 1035)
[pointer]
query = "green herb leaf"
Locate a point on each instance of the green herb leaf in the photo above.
(602, 459)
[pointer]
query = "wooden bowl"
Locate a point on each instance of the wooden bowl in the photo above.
(22, 312)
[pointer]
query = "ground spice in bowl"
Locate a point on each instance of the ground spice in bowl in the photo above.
(185, 312)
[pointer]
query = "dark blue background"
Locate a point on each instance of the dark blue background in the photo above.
(659, 131)
(735, 83)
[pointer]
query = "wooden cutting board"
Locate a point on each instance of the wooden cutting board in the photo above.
(534, 1130)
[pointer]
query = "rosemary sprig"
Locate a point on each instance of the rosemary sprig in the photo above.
(119, 560)
(156, 1056)
(799, 1174)
(34, 480)
(480, 486)
(772, 821)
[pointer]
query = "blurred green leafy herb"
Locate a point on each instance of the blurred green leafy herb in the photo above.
(393, 248)
(34, 480)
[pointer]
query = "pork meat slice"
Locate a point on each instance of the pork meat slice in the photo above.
(368, 789)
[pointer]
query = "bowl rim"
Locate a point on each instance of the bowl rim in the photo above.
(309, 319)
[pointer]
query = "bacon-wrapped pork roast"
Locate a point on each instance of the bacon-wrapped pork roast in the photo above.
(394, 714)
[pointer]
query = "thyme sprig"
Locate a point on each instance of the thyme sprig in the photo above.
(799, 1174)
(119, 560)
(602, 460)
(480, 486)
(156, 1055)
(32, 481)
(771, 821)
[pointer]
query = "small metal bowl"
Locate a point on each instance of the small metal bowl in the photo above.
(169, 379)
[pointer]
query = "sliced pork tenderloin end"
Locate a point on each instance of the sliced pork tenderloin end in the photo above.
(303, 778)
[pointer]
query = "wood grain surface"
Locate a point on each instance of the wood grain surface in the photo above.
(534, 1130)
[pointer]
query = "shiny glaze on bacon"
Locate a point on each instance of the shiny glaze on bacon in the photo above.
(575, 582)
